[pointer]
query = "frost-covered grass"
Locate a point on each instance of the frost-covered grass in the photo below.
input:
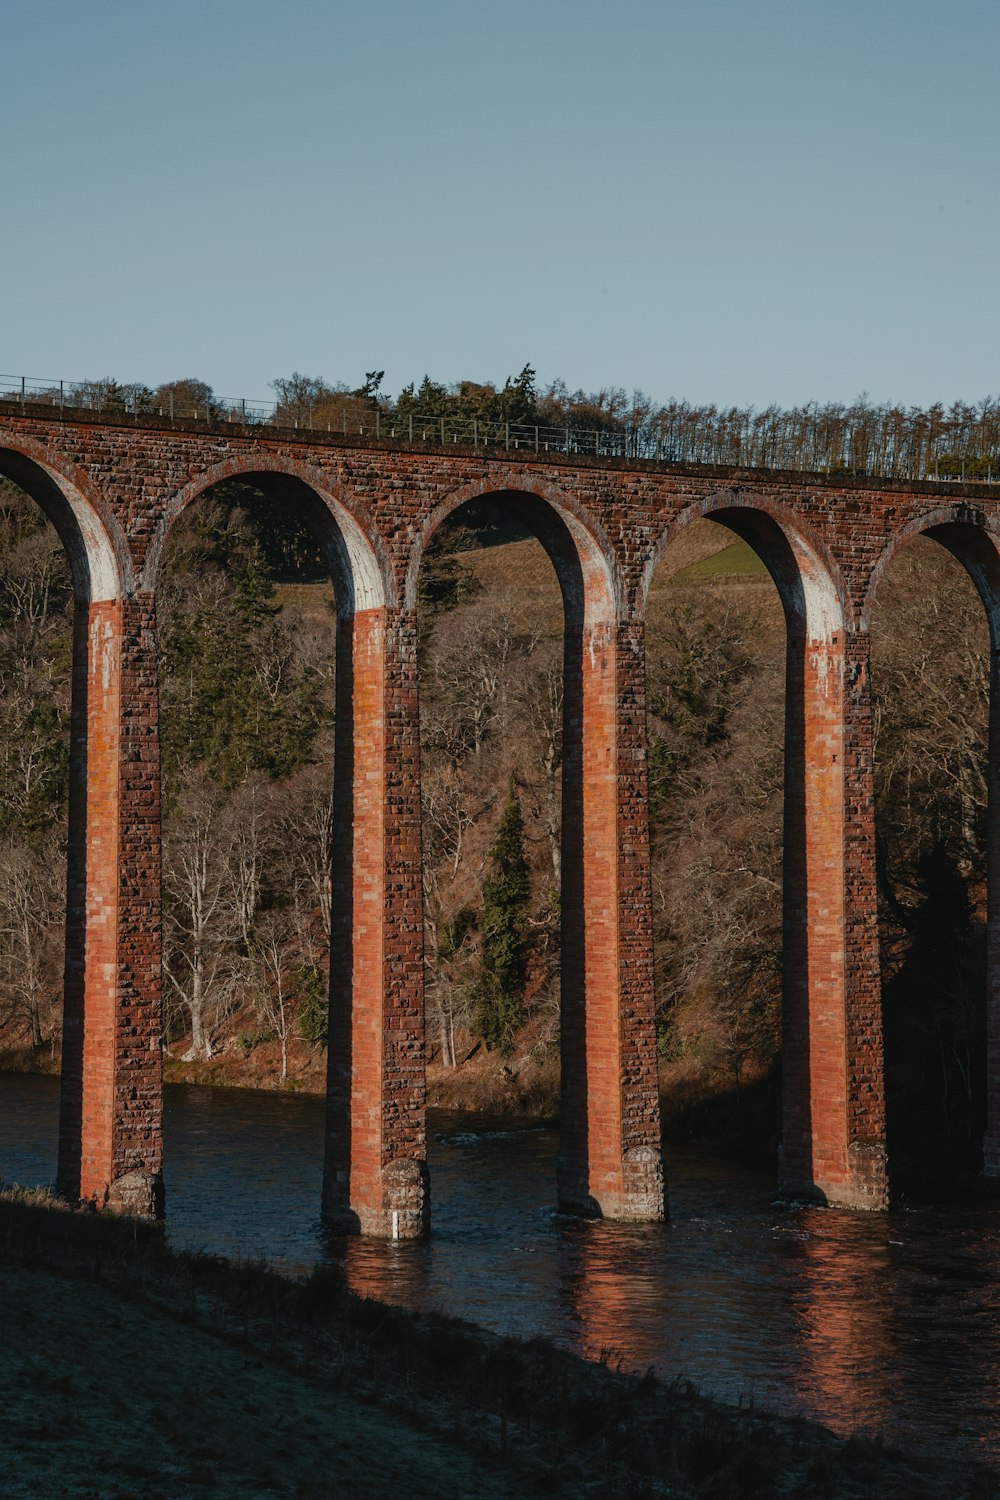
(129, 1370)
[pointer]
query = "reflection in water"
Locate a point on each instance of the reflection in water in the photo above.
(887, 1322)
(490, 1256)
(608, 1299)
(838, 1279)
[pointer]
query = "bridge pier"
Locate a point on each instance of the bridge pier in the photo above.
(110, 1126)
(610, 1162)
(375, 1175)
(991, 1140)
(833, 1139)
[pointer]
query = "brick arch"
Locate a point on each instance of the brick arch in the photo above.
(578, 547)
(971, 536)
(803, 569)
(609, 1160)
(832, 1128)
(98, 555)
(111, 1013)
(351, 544)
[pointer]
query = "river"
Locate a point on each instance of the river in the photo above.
(883, 1323)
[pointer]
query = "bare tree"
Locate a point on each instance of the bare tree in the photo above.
(201, 959)
(274, 957)
(539, 707)
(249, 818)
(303, 837)
(31, 934)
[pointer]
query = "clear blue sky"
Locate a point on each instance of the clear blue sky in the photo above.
(736, 200)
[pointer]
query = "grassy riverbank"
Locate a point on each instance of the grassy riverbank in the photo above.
(486, 1083)
(134, 1371)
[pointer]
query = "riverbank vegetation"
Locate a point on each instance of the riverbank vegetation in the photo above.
(248, 693)
(184, 1374)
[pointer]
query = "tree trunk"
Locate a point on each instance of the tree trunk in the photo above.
(446, 1034)
(200, 1046)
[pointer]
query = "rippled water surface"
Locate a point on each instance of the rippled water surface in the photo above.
(886, 1322)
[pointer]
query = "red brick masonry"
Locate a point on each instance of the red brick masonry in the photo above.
(113, 490)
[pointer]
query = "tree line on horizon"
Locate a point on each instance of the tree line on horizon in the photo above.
(960, 440)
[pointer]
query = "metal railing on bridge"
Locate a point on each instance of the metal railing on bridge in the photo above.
(755, 442)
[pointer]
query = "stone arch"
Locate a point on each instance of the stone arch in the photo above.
(804, 571)
(610, 1162)
(832, 1129)
(109, 1099)
(98, 556)
(973, 539)
(351, 544)
(373, 1173)
(972, 536)
(578, 547)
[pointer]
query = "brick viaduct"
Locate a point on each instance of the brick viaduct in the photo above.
(113, 488)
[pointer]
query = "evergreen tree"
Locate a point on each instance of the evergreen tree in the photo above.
(314, 1005)
(236, 699)
(499, 993)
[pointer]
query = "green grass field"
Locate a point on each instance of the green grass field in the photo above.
(738, 560)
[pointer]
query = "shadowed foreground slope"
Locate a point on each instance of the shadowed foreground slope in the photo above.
(130, 1371)
(109, 1397)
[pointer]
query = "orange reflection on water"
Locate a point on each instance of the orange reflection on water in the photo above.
(388, 1272)
(610, 1288)
(846, 1357)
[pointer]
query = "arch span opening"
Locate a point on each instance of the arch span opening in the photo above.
(934, 613)
(521, 738)
(715, 655)
(272, 624)
(247, 631)
(36, 647)
(783, 954)
(62, 613)
(491, 720)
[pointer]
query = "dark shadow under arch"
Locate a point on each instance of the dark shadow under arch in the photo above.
(947, 915)
(351, 547)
